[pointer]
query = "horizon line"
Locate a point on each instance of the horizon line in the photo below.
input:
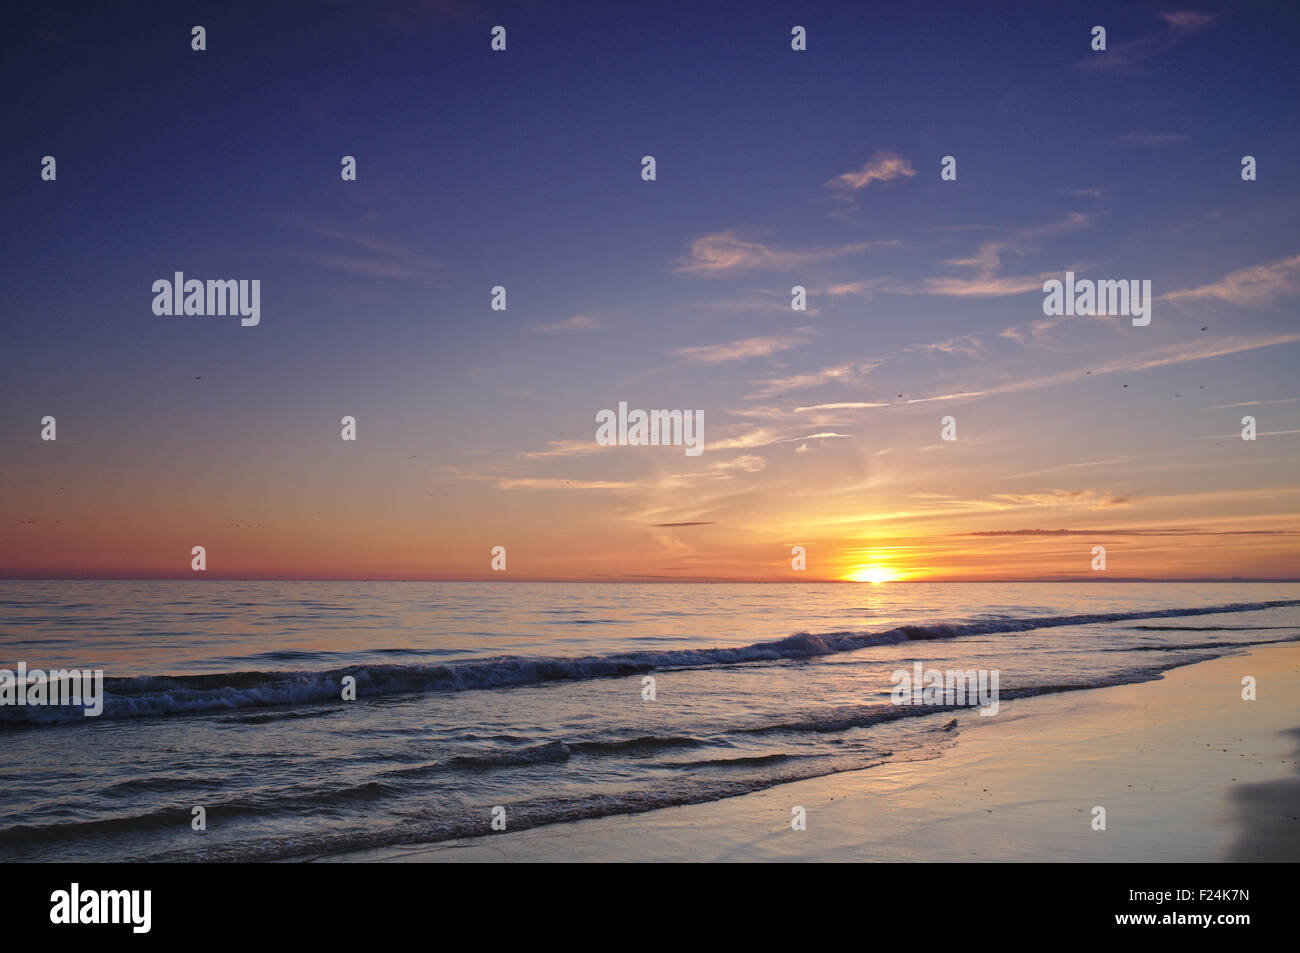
(635, 581)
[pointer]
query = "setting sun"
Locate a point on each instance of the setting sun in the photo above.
(872, 574)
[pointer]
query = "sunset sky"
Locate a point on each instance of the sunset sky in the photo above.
(476, 428)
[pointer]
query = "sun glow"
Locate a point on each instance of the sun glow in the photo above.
(873, 574)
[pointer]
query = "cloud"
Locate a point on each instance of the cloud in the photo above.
(1187, 19)
(1255, 403)
(1180, 531)
(1179, 353)
(1071, 466)
(846, 405)
(1144, 137)
(984, 286)
(748, 463)
(1135, 57)
(985, 261)
(966, 344)
(385, 260)
(727, 252)
(742, 350)
(1254, 286)
(821, 439)
(827, 435)
(764, 437)
(838, 373)
(579, 322)
(567, 448)
(1262, 433)
(1085, 498)
(868, 287)
(1071, 223)
(758, 437)
(882, 167)
(1032, 332)
(687, 523)
(533, 483)
(771, 301)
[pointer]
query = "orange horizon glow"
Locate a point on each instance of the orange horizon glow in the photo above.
(991, 508)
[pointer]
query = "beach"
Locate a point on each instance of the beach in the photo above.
(1186, 770)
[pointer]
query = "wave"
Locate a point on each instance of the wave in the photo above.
(456, 826)
(550, 752)
(915, 733)
(226, 691)
(1207, 628)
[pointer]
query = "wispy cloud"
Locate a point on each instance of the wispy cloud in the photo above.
(1144, 137)
(881, 167)
(969, 345)
(843, 405)
(1172, 531)
(986, 262)
(765, 437)
(1071, 466)
(867, 287)
(1086, 498)
(1254, 286)
(838, 373)
(1031, 332)
(381, 259)
(536, 483)
(579, 322)
(724, 253)
(984, 285)
(1137, 56)
(742, 350)
(1255, 403)
(1263, 433)
(758, 301)
(1179, 353)
(568, 448)
(1099, 192)
(1187, 19)
(747, 463)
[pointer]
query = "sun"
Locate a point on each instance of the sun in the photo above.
(873, 574)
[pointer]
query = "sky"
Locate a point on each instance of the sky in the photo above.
(522, 168)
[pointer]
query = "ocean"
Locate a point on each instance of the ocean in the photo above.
(520, 702)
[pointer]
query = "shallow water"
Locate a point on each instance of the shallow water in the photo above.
(227, 695)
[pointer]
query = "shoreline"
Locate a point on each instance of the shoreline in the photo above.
(1184, 767)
